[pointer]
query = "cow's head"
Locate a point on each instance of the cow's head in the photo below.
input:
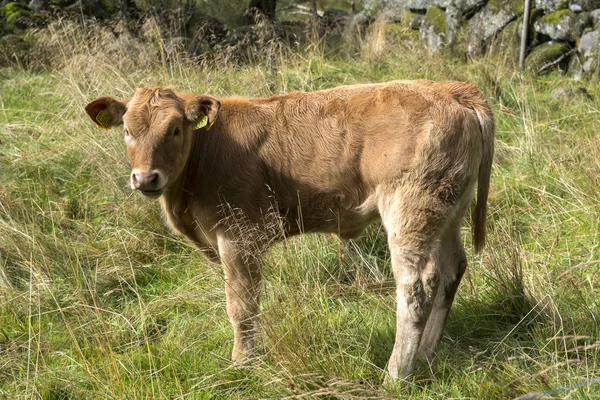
(159, 125)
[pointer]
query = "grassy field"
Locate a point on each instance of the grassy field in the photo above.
(99, 300)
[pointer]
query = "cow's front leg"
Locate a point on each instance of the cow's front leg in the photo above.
(242, 288)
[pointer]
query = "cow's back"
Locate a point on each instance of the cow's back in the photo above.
(318, 158)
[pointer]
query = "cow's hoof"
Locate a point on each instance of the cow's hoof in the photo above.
(390, 381)
(243, 360)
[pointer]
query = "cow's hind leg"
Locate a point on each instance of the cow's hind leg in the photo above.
(242, 288)
(413, 220)
(452, 263)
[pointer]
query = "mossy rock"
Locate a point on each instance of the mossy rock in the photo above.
(557, 16)
(436, 18)
(407, 17)
(433, 30)
(19, 16)
(398, 32)
(547, 53)
(563, 25)
(412, 19)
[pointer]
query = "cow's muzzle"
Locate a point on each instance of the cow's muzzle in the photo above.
(151, 183)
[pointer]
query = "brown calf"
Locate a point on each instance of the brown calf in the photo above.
(407, 152)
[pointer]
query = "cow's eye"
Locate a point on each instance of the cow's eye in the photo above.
(126, 132)
(176, 132)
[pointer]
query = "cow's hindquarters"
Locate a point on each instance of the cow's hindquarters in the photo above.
(422, 212)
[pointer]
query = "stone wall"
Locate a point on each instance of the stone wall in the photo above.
(563, 34)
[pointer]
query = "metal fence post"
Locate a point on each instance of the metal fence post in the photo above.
(524, 33)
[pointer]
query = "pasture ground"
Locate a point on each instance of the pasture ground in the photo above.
(99, 300)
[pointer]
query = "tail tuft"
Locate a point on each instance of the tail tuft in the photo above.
(478, 217)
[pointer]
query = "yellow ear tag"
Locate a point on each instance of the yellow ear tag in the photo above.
(103, 119)
(203, 122)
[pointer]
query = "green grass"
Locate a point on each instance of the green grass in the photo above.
(99, 300)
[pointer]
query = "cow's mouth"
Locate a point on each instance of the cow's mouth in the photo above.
(153, 193)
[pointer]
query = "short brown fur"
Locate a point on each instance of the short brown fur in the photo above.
(406, 152)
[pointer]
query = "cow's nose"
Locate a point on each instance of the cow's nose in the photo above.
(144, 180)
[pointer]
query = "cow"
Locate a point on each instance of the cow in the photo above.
(407, 153)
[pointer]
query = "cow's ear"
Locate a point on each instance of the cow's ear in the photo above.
(106, 111)
(202, 111)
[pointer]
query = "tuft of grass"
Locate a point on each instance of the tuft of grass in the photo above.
(99, 300)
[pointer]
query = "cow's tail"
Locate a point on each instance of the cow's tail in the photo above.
(488, 130)
(470, 97)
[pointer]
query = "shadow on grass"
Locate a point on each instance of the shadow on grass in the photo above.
(473, 326)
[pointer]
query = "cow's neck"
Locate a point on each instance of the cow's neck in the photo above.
(177, 199)
(178, 191)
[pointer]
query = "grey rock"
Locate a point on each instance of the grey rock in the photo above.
(357, 23)
(561, 93)
(575, 69)
(433, 40)
(453, 21)
(394, 9)
(586, 5)
(568, 93)
(37, 5)
(595, 16)
(390, 9)
(562, 25)
(588, 42)
(576, 8)
(464, 6)
(589, 51)
(423, 4)
(489, 21)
